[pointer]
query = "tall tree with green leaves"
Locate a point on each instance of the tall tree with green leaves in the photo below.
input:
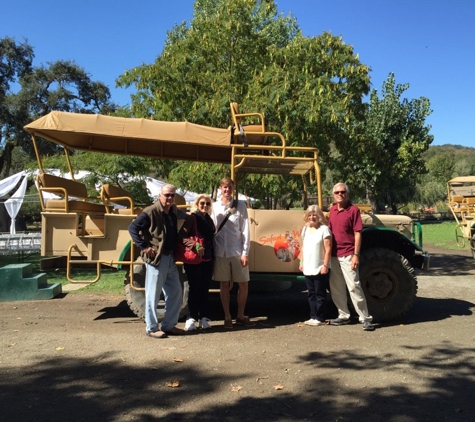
(309, 89)
(385, 160)
(61, 85)
(15, 61)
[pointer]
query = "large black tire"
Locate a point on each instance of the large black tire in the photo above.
(136, 298)
(389, 283)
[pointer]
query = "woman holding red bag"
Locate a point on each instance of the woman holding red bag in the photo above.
(199, 275)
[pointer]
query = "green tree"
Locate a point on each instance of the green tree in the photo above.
(441, 168)
(431, 193)
(15, 61)
(385, 160)
(464, 166)
(443, 163)
(61, 85)
(310, 89)
(125, 171)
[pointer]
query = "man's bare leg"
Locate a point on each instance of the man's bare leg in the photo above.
(225, 294)
(242, 299)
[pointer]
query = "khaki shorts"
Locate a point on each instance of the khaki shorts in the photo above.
(230, 269)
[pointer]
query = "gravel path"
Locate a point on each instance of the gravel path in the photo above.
(84, 357)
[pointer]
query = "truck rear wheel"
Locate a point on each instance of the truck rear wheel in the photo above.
(389, 283)
(136, 298)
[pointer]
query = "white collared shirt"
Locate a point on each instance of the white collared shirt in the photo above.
(234, 237)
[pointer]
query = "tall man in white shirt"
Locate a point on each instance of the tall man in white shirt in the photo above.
(232, 243)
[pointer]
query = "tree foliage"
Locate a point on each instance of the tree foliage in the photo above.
(385, 160)
(27, 93)
(310, 89)
(443, 164)
(15, 61)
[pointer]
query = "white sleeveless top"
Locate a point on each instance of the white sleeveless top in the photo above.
(313, 251)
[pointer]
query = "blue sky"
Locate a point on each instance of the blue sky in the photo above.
(428, 44)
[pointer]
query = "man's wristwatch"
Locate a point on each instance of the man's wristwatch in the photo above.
(356, 254)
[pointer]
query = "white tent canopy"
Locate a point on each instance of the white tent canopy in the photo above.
(154, 186)
(7, 184)
(13, 204)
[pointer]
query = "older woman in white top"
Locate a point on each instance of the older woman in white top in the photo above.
(315, 261)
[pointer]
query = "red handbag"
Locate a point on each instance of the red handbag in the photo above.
(188, 255)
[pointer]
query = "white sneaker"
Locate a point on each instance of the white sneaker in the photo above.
(190, 324)
(314, 322)
(204, 323)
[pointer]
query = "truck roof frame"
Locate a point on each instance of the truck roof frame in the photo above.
(176, 141)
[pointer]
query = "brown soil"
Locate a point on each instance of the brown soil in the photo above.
(84, 357)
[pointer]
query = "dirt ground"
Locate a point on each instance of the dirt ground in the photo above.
(84, 357)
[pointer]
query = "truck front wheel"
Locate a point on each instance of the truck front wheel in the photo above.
(136, 298)
(389, 283)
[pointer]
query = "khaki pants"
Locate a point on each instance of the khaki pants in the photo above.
(341, 278)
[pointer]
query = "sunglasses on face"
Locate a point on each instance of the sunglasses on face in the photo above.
(207, 203)
(168, 195)
(339, 192)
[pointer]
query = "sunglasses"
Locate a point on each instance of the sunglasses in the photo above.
(339, 192)
(205, 203)
(168, 195)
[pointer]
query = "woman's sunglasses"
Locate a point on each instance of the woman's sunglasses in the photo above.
(202, 203)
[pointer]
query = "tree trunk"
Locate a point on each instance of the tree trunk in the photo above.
(370, 199)
(6, 159)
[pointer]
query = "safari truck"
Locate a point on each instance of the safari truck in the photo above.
(91, 230)
(461, 201)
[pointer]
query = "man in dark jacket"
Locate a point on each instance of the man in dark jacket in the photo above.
(154, 231)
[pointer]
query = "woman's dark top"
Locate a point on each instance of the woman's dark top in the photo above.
(206, 229)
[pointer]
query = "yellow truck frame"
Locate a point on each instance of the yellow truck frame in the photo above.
(90, 230)
(461, 202)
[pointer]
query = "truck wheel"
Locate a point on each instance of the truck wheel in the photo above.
(389, 283)
(136, 298)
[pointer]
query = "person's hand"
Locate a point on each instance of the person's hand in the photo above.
(324, 269)
(150, 252)
(355, 262)
(201, 251)
(244, 261)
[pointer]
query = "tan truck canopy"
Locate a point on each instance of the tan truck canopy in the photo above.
(171, 140)
(462, 179)
(139, 137)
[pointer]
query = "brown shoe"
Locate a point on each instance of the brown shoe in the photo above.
(245, 321)
(156, 334)
(175, 331)
(228, 323)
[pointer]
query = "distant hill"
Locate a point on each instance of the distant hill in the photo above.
(457, 152)
(451, 146)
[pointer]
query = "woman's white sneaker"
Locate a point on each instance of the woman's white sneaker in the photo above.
(204, 323)
(314, 322)
(190, 324)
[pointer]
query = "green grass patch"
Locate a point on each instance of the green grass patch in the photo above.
(441, 234)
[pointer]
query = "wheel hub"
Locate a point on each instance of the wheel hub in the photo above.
(379, 285)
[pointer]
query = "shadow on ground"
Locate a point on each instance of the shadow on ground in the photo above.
(290, 306)
(104, 388)
(451, 264)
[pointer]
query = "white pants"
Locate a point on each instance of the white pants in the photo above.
(341, 278)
